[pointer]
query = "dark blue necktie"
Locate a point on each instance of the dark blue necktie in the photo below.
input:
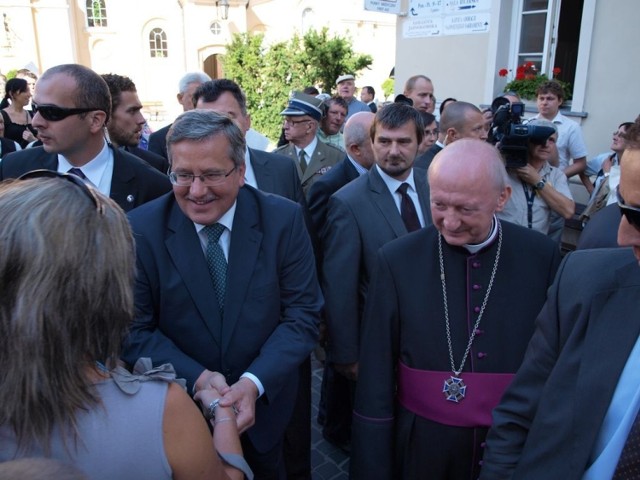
(216, 262)
(77, 172)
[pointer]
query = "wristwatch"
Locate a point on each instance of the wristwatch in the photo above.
(540, 185)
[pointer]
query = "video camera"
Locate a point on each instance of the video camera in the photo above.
(511, 136)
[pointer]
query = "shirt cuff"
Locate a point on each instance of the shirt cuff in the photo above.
(255, 380)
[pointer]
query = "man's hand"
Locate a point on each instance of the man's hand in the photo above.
(528, 174)
(349, 370)
(209, 379)
(243, 395)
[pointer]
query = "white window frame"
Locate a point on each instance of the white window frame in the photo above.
(548, 55)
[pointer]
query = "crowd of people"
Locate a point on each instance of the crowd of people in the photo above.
(405, 252)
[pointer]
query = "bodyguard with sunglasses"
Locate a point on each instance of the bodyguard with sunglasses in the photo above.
(71, 107)
(572, 410)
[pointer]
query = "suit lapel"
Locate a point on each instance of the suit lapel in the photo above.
(123, 192)
(384, 201)
(185, 251)
(350, 172)
(423, 195)
(246, 239)
(264, 179)
(614, 326)
(317, 162)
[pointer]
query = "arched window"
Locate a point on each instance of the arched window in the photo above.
(158, 43)
(96, 13)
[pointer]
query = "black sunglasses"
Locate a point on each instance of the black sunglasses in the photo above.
(88, 190)
(632, 214)
(53, 113)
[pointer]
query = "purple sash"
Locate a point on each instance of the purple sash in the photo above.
(420, 391)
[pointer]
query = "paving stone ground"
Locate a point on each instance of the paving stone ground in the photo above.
(327, 461)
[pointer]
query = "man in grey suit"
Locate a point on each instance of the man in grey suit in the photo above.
(572, 410)
(71, 108)
(387, 203)
(301, 122)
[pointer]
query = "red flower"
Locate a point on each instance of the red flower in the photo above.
(528, 64)
(556, 71)
(503, 72)
(520, 69)
(520, 76)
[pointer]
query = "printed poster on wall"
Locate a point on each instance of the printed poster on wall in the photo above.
(383, 6)
(430, 18)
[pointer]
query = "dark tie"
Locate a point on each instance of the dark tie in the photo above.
(216, 262)
(629, 462)
(77, 172)
(303, 161)
(408, 209)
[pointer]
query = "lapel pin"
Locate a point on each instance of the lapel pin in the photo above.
(130, 198)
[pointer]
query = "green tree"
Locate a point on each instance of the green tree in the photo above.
(388, 86)
(269, 75)
(328, 58)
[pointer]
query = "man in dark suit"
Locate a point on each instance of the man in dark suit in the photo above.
(187, 85)
(358, 161)
(368, 96)
(126, 122)
(71, 107)
(301, 122)
(448, 316)
(277, 174)
(244, 303)
(458, 120)
(268, 172)
(572, 410)
(361, 217)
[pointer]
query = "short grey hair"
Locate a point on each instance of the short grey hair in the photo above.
(200, 124)
(192, 77)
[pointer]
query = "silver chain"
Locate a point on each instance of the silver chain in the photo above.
(484, 303)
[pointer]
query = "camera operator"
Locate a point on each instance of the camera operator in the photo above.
(538, 188)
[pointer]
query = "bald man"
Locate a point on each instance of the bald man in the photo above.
(358, 161)
(459, 120)
(447, 320)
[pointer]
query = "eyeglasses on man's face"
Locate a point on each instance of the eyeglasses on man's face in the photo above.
(208, 179)
(293, 123)
(53, 113)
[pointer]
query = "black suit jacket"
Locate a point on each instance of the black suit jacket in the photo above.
(362, 216)
(272, 304)
(326, 186)
(277, 174)
(424, 160)
(158, 141)
(158, 162)
(549, 418)
(133, 183)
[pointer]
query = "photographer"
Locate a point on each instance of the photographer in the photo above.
(538, 188)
